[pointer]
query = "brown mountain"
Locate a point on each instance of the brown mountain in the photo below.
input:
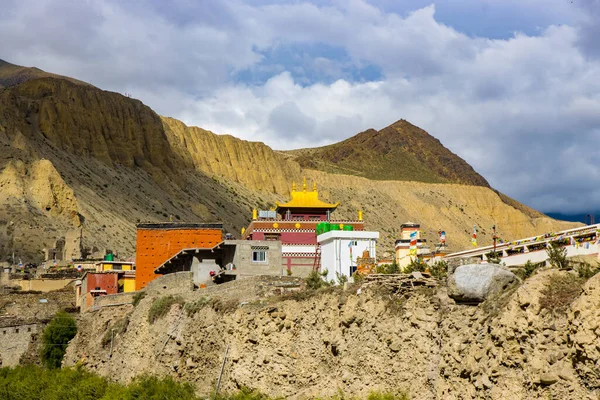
(401, 151)
(73, 156)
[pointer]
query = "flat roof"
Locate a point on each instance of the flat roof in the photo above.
(179, 225)
(114, 262)
(347, 235)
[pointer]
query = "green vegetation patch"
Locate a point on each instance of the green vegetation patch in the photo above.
(139, 296)
(34, 383)
(118, 328)
(56, 338)
(161, 306)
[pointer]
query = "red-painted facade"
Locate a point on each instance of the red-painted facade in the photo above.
(103, 281)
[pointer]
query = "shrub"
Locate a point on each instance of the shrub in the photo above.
(118, 328)
(154, 388)
(560, 291)
(494, 257)
(161, 306)
(56, 338)
(388, 396)
(33, 383)
(242, 394)
(137, 298)
(415, 266)
(439, 269)
(586, 270)
(528, 269)
(341, 279)
(316, 280)
(557, 256)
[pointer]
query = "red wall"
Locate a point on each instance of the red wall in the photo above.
(298, 238)
(108, 282)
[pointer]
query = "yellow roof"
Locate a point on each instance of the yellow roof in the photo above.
(305, 199)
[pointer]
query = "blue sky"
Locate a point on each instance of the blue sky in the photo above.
(512, 86)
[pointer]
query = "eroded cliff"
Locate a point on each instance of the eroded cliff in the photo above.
(509, 347)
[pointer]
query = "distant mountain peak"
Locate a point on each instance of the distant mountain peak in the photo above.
(401, 151)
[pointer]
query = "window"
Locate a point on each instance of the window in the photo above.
(259, 256)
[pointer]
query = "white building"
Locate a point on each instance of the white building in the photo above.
(340, 249)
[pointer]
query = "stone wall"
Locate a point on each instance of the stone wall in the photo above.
(245, 266)
(15, 341)
(176, 283)
(113, 300)
(41, 285)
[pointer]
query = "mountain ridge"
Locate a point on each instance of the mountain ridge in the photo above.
(400, 151)
(121, 163)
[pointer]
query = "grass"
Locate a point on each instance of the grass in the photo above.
(118, 328)
(161, 306)
(219, 305)
(137, 298)
(560, 291)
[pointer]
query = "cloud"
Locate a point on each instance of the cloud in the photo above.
(518, 101)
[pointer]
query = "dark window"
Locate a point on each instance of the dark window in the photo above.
(259, 256)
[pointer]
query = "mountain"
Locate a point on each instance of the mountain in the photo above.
(400, 152)
(75, 157)
(11, 75)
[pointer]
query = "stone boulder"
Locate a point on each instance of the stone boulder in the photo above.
(473, 283)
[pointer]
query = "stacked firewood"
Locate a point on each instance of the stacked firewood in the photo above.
(399, 284)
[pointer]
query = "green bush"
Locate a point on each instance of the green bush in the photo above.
(439, 269)
(56, 338)
(118, 328)
(557, 256)
(494, 257)
(137, 298)
(316, 280)
(161, 306)
(33, 383)
(586, 270)
(416, 265)
(560, 291)
(341, 279)
(388, 396)
(242, 394)
(528, 269)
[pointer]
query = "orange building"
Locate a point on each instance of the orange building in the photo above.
(158, 242)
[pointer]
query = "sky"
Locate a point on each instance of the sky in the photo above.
(511, 86)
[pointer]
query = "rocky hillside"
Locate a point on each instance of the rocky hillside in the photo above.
(517, 346)
(400, 152)
(75, 156)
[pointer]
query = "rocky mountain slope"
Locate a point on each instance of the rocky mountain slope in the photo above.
(509, 347)
(400, 152)
(74, 156)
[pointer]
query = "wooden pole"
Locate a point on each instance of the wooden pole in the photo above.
(221, 373)
(112, 336)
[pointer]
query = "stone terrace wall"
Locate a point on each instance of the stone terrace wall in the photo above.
(14, 342)
(113, 300)
(246, 289)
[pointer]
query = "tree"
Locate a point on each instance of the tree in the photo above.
(56, 338)
(557, 256)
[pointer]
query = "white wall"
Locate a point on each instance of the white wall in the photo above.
(541, 255)
(335, 252)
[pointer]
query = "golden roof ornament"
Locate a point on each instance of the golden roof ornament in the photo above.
(304, 185)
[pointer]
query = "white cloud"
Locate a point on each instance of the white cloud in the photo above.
(521, 110)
